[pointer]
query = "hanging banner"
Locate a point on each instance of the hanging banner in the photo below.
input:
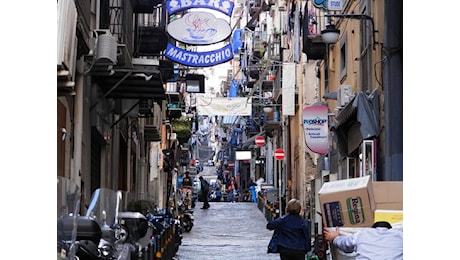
(235, 106)
(316, 130)
(288, 88)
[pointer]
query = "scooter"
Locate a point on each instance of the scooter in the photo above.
(78, 237)
(186, 218)
(106, 232)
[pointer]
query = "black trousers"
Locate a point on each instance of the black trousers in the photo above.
(291, 254)
(204, 198)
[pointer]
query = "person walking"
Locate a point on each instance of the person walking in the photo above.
(379, 242)
(204, 192)
(291, 233)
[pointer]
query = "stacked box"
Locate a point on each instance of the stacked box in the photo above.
(388, 197)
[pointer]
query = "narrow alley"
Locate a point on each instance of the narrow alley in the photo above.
(227, 231)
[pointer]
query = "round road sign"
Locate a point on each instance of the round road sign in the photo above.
(279, 154)
(260, 140)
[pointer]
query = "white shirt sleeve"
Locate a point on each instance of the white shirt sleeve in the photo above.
(346, 243)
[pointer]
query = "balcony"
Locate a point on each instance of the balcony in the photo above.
(314, 47)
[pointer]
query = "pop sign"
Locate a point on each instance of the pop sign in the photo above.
(260, 140)
(279, 154)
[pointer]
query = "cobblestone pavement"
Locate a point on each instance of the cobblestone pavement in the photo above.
(227, 231)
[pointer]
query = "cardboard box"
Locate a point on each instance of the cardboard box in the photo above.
(347, 203)
(388, 195)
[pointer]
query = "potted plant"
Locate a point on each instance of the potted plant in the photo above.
(182, 127)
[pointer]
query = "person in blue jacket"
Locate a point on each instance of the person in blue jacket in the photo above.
(293, 233)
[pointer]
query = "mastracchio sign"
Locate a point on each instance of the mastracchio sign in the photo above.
(199, 28)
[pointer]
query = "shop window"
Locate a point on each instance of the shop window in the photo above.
(368, 158)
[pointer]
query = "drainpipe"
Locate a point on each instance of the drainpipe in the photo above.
(78, 130)
(141, 171)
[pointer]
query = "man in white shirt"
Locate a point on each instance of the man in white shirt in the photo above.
(377, 243)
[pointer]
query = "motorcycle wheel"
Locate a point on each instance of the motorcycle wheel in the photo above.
(188, 227)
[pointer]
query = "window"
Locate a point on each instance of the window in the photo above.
(343, 57)
(368, 158)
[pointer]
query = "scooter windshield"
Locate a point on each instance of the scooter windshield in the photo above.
(104, 206)
(68, 205)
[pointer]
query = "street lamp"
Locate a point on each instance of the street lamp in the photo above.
(268, 109)
(330, 35)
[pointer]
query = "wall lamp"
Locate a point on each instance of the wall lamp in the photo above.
(268, 109)
(330, 35)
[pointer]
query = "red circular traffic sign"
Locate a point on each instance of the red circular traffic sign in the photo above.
(279, 154)
(260, 140)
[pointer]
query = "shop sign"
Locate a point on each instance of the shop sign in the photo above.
(316, 130)
(223, 6)
(335, 5)
(199, 28)
(199, 59)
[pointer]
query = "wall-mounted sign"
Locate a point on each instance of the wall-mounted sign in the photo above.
(335, 5)
(223, 6)
(199, 28)
(199, 59)
(315, 124)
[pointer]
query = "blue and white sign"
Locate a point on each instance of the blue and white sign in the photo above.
(334, 5)
(199, 59)
(199, 28)
(223, 6)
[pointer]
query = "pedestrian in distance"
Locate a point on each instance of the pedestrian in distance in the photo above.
(204, 192)
(292, 234)
(379, 242)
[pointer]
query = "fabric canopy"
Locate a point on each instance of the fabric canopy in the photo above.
(364, 110)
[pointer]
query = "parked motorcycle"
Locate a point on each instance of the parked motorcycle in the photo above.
(105, 232)
(186, 217)
(161, 220)
(130, 231)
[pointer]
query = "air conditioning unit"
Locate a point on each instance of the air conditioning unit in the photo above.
(344, 95)
(106, 48)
